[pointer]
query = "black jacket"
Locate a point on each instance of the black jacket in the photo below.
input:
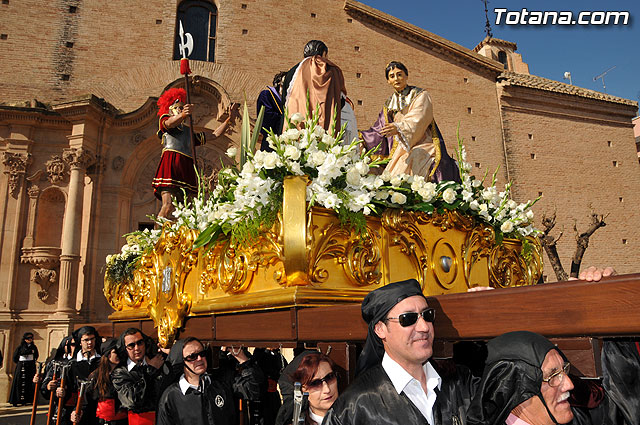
(372, 399)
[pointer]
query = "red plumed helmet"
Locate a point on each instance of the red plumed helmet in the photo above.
(167, 99)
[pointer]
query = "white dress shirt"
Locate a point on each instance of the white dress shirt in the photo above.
(185, 385)
(403, 382)
(80, 357)
(131, 363)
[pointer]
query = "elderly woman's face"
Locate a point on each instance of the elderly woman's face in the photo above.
(397, 79)
(323, 389)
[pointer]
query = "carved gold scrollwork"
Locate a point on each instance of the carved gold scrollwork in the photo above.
(449, 220)
(478, 244)
(330, 243)
(233, 268)
(508, 267)
(403, 230)
(129, 293)
(363, 259)
(164, 272)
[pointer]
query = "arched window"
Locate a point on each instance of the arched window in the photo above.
(502, 58)
(198, 19)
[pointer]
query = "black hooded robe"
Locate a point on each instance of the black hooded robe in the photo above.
(215, 406)
(372, 399)
(22, 385)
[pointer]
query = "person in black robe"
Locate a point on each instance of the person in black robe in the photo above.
(373, 398)
(62, 356)
(213, 400)
(273, 107)
(81, 366)
(141, 378)
(25, 358)
(525, 377)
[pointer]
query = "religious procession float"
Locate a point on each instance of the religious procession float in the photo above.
(281, 247)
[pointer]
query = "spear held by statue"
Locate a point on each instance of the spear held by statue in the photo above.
(186, 47)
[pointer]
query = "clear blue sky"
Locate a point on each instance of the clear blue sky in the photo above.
(585, 51)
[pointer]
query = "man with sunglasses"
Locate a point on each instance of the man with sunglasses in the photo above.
(397, 382)
(140, 381)
(525, 382)
(199, 398)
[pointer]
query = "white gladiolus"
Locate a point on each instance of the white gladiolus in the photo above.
(296, 118)
(231, 152)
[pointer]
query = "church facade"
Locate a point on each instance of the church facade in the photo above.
(79, 148)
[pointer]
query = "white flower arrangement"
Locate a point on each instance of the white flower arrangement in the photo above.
(248, 196)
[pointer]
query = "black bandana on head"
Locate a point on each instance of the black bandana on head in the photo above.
(512, 375)
(108, 345)
(375, 307)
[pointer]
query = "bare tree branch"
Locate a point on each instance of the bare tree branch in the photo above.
(582, 241)
(550, 246)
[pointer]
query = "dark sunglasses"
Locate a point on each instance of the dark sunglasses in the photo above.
(132, 345)
(194, 356)
(409, 319)
(316, 384)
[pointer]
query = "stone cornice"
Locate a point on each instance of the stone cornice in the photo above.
(86, 106)
(137, 117)
(31, 116)
(422, 37)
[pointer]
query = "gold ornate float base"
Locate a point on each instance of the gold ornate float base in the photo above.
(308, 259)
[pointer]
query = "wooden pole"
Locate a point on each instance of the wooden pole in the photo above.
(61, 399)
(35, 396)
(193, 145)
(55, 372)
(79, 402)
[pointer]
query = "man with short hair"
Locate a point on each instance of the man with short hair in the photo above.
(141, 380)
(80, 365)
(525, 382)
(202, 399)
(397, 382)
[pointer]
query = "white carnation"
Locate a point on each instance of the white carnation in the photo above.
(507, 227)
(449, 195)
(398, 198)
(292, 152)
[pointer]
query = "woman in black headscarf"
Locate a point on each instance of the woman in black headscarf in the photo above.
(25, 358)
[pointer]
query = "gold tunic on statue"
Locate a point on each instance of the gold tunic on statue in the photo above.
(413, 148)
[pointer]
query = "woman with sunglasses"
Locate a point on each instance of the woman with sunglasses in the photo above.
(317, 375)
(101, 390)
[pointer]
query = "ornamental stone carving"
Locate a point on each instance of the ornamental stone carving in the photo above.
(78, 158)
(45, 278)
(15, 165)
(56, 169)
(117, 163)
(33, 191)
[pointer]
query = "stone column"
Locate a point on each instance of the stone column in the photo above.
(78, 159)
(33, 192)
